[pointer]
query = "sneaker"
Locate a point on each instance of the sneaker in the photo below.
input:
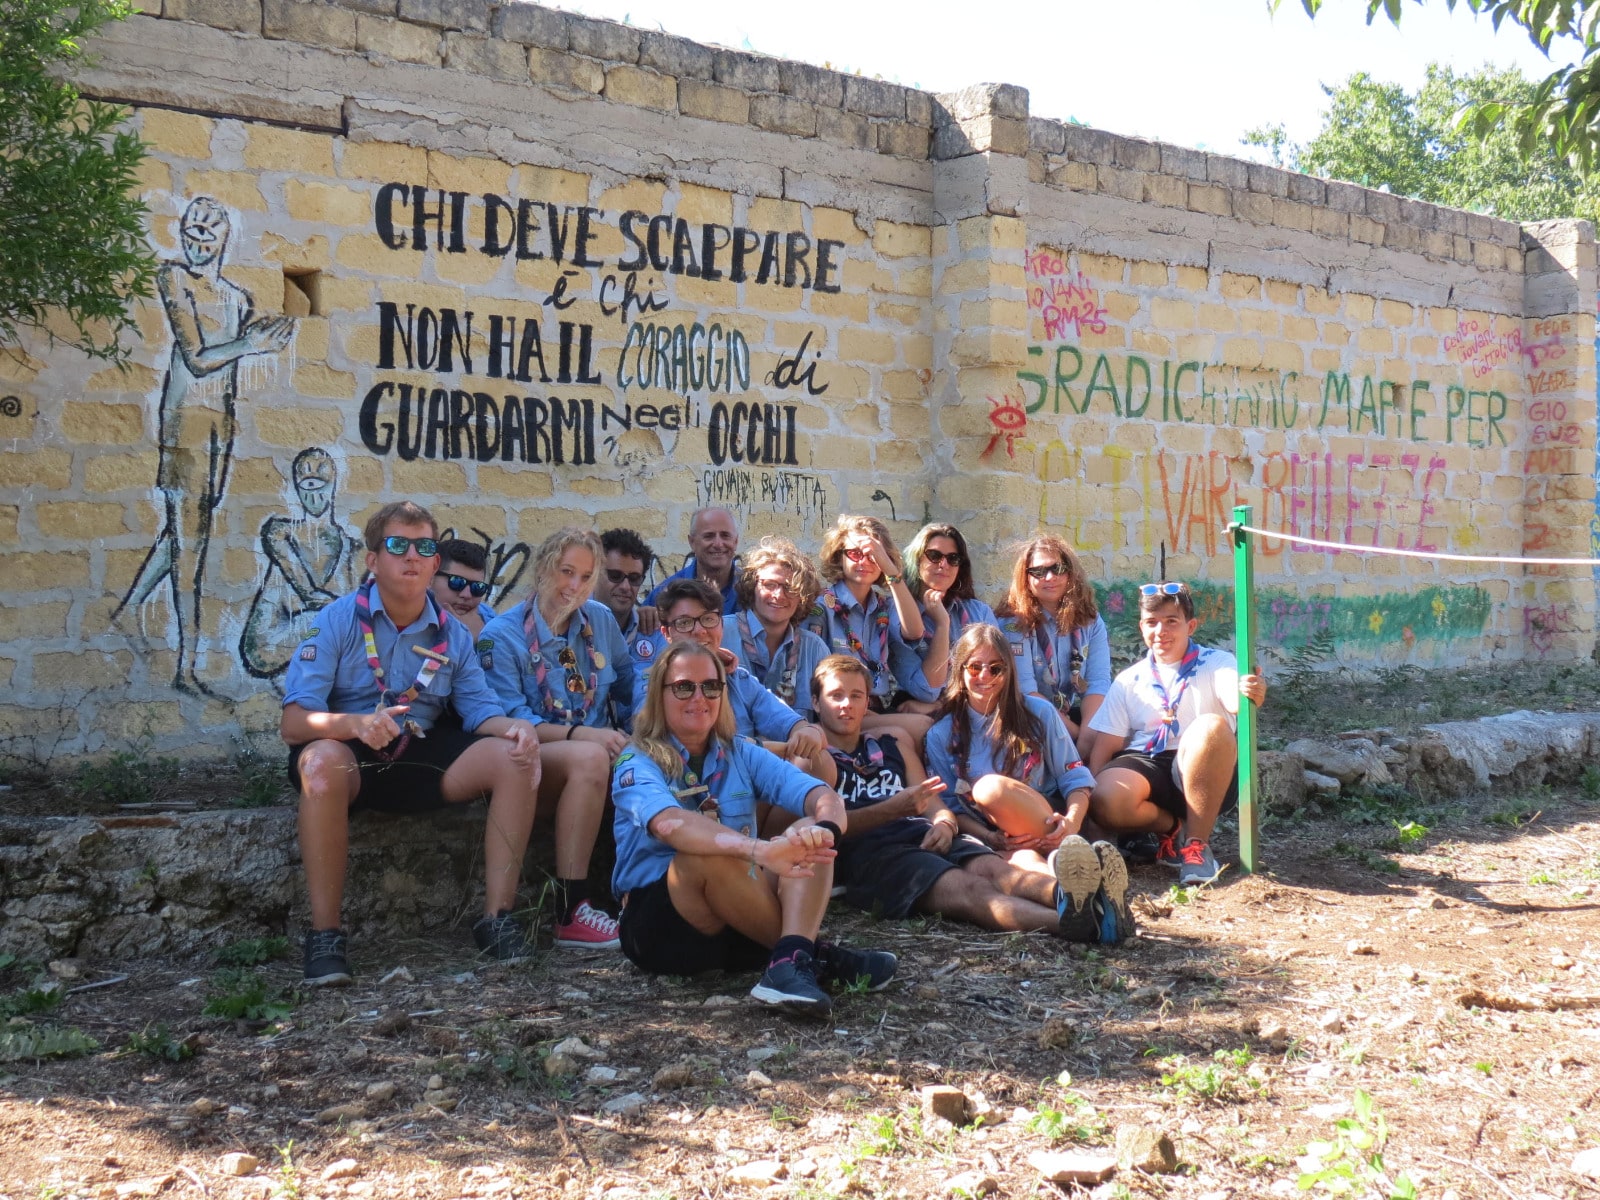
(589, 929)
(1141, 849)
(792, 983)
(837, 892)
(1167, 851)
(327, 958)
(1116, 918)
(1077, 870)
(500, 938)
(1199, 864)
(846, 968)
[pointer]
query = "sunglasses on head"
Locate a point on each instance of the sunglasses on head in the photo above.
(1162, 589)
(618, 578)
(397, 546)
(979, 670)
(936, 557)
(711, 689)
(1049, 571)
(479, 588)
(709, 620)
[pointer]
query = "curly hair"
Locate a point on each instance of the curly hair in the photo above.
(962, 588)
(1016, 729)
(833, 543)
(1077, 605)
(773, 551)
(549, 554)
(651, 734)
(628, 544)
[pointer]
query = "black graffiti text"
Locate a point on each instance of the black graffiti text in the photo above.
(684, 358)
(788, 372)
(631, 299)
(419, 421)
(761, 434)
(422, 339)
(784, 491)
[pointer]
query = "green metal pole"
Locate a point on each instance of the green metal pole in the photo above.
(1244, 638)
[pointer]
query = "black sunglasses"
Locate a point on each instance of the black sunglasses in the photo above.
(936, 557)
(478, 587)
(397, 545)
(633, 578)
(1048, 571)
(711, 689)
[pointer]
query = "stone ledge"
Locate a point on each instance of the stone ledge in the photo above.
(1517, 750)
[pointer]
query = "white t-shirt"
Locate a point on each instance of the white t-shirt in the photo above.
(1133, 706)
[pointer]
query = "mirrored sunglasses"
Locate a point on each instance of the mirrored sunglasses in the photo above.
(397, 546)
(1162, 589)
(979, 670)
(479, 588)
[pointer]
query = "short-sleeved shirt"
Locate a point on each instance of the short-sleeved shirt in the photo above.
(836, 621)
(508, 661)
(1133, 706)
(486, 613)
(688, 571)
(640, 790)
(329, 671)
(1057, 773)
(963, 613)
(742, 633)
(756, 711)
(1084, 650)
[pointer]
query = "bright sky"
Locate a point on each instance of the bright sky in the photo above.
(1193, 72)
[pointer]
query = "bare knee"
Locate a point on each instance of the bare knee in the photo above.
(988, 789)
(327, 773)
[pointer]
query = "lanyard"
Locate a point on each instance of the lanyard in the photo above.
(785, 687)
(1168, 729)
(576, 691)
(852, 762)
(432, 660)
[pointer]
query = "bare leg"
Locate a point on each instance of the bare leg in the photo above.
(1039, 887)
(712, 892)
(329, 784)
(1012, 806)
(576, 775)
(1207, 752)
(486, 766)
(1121, 803)
(970, 895)
(912, 725)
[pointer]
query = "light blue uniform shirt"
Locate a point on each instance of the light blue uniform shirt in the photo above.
(640, 791)
(965, 614)
(509, 665)
(688, 571)
(742, 633)
(1089, 646)
(330, 673)
(1059, 773)
(862, 621)
(486, 614)
(758, 713)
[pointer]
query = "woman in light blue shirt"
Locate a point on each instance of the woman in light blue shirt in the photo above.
(939, 573)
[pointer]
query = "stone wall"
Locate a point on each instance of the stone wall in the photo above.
(531, 268)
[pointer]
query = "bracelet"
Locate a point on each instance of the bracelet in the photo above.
(568, 737)
(891, 580)
(831, 828)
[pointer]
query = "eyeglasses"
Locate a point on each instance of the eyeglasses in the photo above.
(979, 670)
(682, 689)
(856, 553)
(1163, 589)
(1049, 571)
(397, 546)
(618, 578)
(477, 587)
(936, 557)
(777, 587)
(710, 620)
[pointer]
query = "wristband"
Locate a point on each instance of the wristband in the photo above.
(568, 736)
(891, 580)
(831, 828)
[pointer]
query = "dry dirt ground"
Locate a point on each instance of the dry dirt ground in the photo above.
(1447, 974)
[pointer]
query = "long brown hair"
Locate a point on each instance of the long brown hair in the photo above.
(651, 734)
(1077, 602)
(962, 588)
(833, 545)
(1017, 730)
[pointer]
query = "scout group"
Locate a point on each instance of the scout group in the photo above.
(771, 732)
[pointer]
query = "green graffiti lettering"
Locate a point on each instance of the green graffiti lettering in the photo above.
(1063, 379)
(1102, 370)
(1143, 367)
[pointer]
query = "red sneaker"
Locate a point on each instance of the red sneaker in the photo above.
(588, 928)
(1167, 852)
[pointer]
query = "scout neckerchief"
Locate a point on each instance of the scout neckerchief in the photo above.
(575, 694)
(1030, 760)
(702, 790)
(852, 761)
(1168, 730)
(841, 619)
(432, 660)
(1045, 638)
(785, 688)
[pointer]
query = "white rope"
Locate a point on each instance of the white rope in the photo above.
(1430, 554)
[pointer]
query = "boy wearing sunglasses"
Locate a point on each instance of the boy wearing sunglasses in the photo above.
(462, 586)
(363, 697)
(1164, 757)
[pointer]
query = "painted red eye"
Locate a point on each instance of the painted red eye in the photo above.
(1007, 415)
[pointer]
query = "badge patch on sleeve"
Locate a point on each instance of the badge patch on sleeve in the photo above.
(626, 779)
(308, 654)
(1017, 649)
(485, 649)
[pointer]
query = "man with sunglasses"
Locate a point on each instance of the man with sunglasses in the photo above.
(1165, 755)
(627, 561)
(462, 586)
(363, 698)
(713, 555)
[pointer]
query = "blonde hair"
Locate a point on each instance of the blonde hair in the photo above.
(779, 552)
(1077, 602)
(833, 544)
(651, 736)
(549, 554)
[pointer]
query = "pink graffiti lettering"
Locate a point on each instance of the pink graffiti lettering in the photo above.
(1541, 383)
(1067, 306)
(1542, 624)
(1539, 353)
(1481, 349)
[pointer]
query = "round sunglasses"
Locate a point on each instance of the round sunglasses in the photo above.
(478, 588)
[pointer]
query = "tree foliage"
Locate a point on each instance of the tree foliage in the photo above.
(74, 252)
(1381, 136)
(1563, 109)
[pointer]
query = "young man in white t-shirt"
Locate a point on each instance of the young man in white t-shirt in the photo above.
(1165, 757)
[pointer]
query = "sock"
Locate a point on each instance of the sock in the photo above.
(569, 894)
(789, 945)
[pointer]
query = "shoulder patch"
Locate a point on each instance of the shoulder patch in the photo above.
(308, 654)
(315, 629)
(626, 778)
(486, 659)
(484, 644)
(624, 757)
(645, 648)
(1016, 649)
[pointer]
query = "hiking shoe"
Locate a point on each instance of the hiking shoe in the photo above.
(1199, 865)
(1141, 849)
(1077, 870)
(588, 929)
(327, 958)
(1116, 918)
(792, 984)
(500, 938)
(1168, 853)
(847, 968)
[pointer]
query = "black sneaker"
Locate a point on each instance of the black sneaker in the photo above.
(1116, 918)
(792, 983)
(1140, 849)
(327, 958)
(500, 938)
(1078, 875)
(846, 968)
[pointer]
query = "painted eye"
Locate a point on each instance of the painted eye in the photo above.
(1007, 415)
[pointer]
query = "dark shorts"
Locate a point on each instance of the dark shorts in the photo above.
(1161, 773)
(887, 871)
(657, 939)
(408, 784)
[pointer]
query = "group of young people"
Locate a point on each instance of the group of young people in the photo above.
(771, 732)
